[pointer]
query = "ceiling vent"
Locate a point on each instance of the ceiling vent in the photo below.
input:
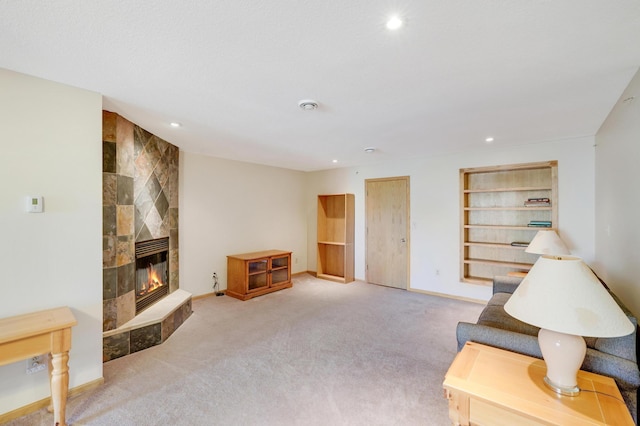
(308, 104)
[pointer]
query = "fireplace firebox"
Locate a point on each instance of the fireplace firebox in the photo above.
(152, 272)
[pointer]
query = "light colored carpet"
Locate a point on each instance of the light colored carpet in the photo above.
(320, 353)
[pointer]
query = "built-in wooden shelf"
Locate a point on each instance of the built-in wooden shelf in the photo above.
(493, 214)
(336, 216)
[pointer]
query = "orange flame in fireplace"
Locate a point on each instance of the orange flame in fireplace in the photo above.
(153, 280)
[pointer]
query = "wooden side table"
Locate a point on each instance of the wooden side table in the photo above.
(490, 386)
(25, 336)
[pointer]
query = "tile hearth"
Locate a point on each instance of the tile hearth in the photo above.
(151, 327)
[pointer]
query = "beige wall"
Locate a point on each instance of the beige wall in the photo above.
(435, 220)
(229, 207)
(51, 146)
(618, 198)
(51, 134)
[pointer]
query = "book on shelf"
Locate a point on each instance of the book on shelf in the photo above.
(540, 223)
(519, 244)
(536, 204)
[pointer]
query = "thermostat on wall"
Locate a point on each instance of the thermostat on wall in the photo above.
(35, 204)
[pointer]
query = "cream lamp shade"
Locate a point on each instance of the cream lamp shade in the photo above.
(547, 241)
(563, 297)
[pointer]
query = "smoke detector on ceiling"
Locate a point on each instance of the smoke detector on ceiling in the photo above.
(308, 104)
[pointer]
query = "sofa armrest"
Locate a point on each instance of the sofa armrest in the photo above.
(623, 371)
(503, 339)
(505, 284)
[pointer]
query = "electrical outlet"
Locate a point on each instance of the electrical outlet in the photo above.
(36, 363)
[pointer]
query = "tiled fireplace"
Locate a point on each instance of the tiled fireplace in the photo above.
(152, 272)
(140, 210)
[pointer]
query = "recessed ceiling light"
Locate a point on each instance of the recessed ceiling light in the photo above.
(394, 22)
(334, 161)
(175, 124)
(308, 104)
(370, 150)
(489, 139)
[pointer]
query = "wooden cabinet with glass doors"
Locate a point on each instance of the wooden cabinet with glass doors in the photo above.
(502, 209)
(254, 274)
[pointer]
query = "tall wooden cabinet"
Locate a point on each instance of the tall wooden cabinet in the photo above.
(502, 209)
(336, 216)
(254, 274)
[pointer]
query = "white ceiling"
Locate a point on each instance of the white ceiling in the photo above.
(232, 71)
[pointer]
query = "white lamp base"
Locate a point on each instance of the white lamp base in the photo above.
(562, 390)
(563, 354)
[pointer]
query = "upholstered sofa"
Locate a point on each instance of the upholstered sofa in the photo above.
(613, 357)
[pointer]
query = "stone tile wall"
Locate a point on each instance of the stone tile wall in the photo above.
(140, 202)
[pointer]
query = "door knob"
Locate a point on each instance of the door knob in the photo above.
(403, 240)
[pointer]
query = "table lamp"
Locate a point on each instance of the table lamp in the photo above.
(563, 297)
(547, 241)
